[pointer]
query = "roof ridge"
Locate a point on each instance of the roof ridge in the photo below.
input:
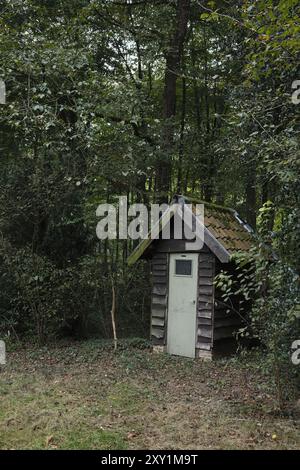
(208, 204)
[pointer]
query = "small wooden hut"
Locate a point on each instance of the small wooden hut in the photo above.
(188, 316)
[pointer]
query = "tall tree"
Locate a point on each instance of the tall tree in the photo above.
(172, 72)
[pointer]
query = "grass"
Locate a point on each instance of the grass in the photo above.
(85, 396)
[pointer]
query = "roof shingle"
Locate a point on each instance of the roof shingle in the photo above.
(228, 228)
(222, 223)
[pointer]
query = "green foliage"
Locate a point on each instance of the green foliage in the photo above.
(275, 290)
(83, 125)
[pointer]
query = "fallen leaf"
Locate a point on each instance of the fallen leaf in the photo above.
(49, 439)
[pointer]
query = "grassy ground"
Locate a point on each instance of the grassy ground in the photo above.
(84, 396)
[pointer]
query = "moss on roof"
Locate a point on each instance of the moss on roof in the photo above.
(227, 227)
(222, 222)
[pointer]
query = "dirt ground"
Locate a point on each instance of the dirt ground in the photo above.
(85, 396)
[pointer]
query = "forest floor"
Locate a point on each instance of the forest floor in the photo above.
(85, 396)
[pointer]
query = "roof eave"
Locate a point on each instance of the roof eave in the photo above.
(213, 244)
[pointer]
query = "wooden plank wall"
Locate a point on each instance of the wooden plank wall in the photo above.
(213, 323)
(205, 309)
(159, 300)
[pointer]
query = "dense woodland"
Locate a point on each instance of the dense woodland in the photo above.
(144, 98)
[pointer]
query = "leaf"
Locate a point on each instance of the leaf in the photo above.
(49, 439)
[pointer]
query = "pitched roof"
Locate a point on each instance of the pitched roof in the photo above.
(228, 228)
(225, 233)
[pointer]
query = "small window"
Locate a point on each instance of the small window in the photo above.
(183, 267)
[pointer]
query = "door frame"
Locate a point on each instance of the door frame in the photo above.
(179, 253)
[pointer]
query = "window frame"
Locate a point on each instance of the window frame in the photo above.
(183, 275)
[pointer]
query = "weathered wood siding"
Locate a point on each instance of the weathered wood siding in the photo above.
(213, 322)
(159, 298)
(205, 302)
(205, 307)
(172, 246)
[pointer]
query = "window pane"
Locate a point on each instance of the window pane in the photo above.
(183, 267)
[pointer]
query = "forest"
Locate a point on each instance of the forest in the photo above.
(145, 99)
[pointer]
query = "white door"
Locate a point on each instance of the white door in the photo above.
(181, 336)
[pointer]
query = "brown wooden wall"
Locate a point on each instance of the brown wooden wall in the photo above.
(205, 307)
(212, 322)
(159, 300)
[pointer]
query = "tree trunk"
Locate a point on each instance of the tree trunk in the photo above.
(173, 63)
(113, 313)
(181, 139)
(251, 195)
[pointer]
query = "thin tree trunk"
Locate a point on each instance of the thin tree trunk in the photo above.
(113, 313)
(251, 195)
(181, 141)
(173, 62)
(209, 167)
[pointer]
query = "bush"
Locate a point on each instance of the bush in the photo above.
(274, 319)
